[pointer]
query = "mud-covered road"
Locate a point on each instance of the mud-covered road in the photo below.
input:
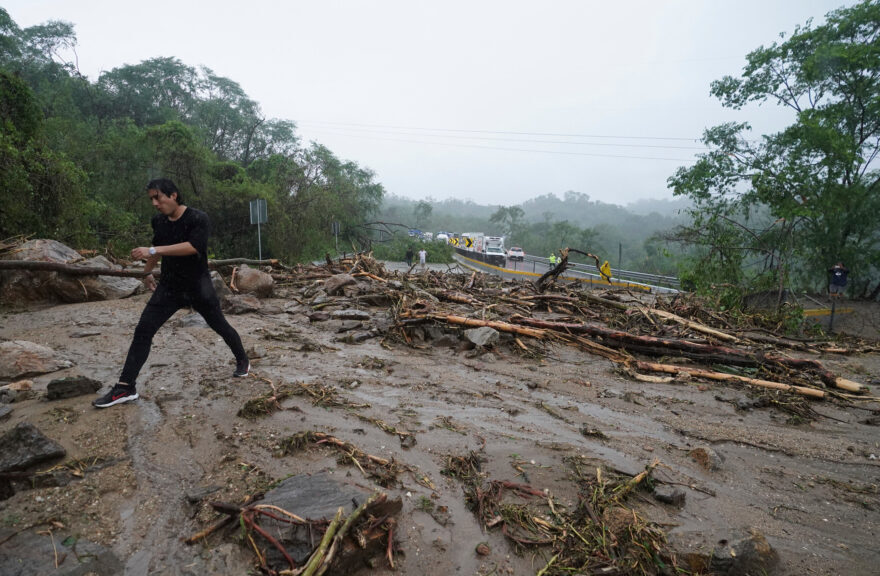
(810, 487)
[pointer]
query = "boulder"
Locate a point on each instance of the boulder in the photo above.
(20, 358)
(252, 281)
(71, 386)
(241, 304)
(46, 286)
(334, 284)
(25, 446)
(482, 336)
(220, 286)
(752, 555)
(706, 457)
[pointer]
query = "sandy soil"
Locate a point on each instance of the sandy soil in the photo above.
(810, 488)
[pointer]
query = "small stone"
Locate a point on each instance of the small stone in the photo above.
(669, 495)
(706, 457)
(483, 549)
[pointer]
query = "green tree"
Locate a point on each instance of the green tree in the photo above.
(816, 180)
(422, 213)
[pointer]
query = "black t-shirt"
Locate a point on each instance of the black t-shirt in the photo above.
(183, 272)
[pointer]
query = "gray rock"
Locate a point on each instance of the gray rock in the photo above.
(746, 557)
(313, 497)
(84, 333)
(669, 495)
(71, 386)
(482, 336)
(5, 411)
(31, 554)
(319, 316)
(347, 325)
(320, 298)
(21, 358)
(220, 286)
(335, 284)
(25, 446)
(350, 314)
(251, 281)
(241, 304)
(706, 457)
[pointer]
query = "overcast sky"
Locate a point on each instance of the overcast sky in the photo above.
(492, 101)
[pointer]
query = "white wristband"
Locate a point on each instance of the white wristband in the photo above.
(152, 250)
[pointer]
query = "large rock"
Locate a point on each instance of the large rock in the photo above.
(44, 286)
(21, 358)
(752, 555)
(334, 284)
(25, 446)
(241, 304)
(220, 286)
(251, 281)
(32, 553)
(71, 386)
(482, 336)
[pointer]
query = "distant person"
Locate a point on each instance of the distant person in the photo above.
(408, 257)
(180, 240)
(838, 274)
(422, 257)
(552, 259)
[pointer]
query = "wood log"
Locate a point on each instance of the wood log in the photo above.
(721, 376)
(692, 325)
(703, 352)
(500, 326)
(70, 269)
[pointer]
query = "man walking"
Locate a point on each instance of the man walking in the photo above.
(423, 254)
(838, 274)
(180, 240)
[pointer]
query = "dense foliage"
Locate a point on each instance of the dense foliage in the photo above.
(778, 212)
(75, 155)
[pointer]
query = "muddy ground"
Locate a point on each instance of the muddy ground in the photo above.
(810, 487)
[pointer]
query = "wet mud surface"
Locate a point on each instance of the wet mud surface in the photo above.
(811, 487)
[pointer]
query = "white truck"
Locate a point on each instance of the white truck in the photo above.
(493, 248)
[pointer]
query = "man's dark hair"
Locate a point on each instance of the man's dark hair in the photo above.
(166, 187)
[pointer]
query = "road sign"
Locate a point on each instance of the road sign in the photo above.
(469, 242)
(453, 241)
(259, 213)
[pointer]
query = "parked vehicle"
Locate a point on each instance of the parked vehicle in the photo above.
(516, 253)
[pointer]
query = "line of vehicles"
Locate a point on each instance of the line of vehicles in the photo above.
(476, 245)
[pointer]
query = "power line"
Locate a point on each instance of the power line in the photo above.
(556, 152)
(558, 134)
(532, 141)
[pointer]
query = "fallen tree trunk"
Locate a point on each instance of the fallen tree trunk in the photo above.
(721, 376)
(70, 269)
(704, 352)
(500, 326)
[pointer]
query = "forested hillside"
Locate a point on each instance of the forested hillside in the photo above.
(77, 153)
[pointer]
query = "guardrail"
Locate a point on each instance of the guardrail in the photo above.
(616, 273)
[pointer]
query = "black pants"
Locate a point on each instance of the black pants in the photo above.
(161, 307)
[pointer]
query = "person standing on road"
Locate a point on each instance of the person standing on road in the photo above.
(552, 259)
(838, 274)
(408, 257)
(180, 240)
(422, 256)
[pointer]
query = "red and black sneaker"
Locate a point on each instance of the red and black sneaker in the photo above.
(117, 395)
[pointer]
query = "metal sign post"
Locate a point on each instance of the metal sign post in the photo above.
(259, 216)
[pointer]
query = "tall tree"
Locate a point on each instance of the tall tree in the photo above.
(818, 178)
